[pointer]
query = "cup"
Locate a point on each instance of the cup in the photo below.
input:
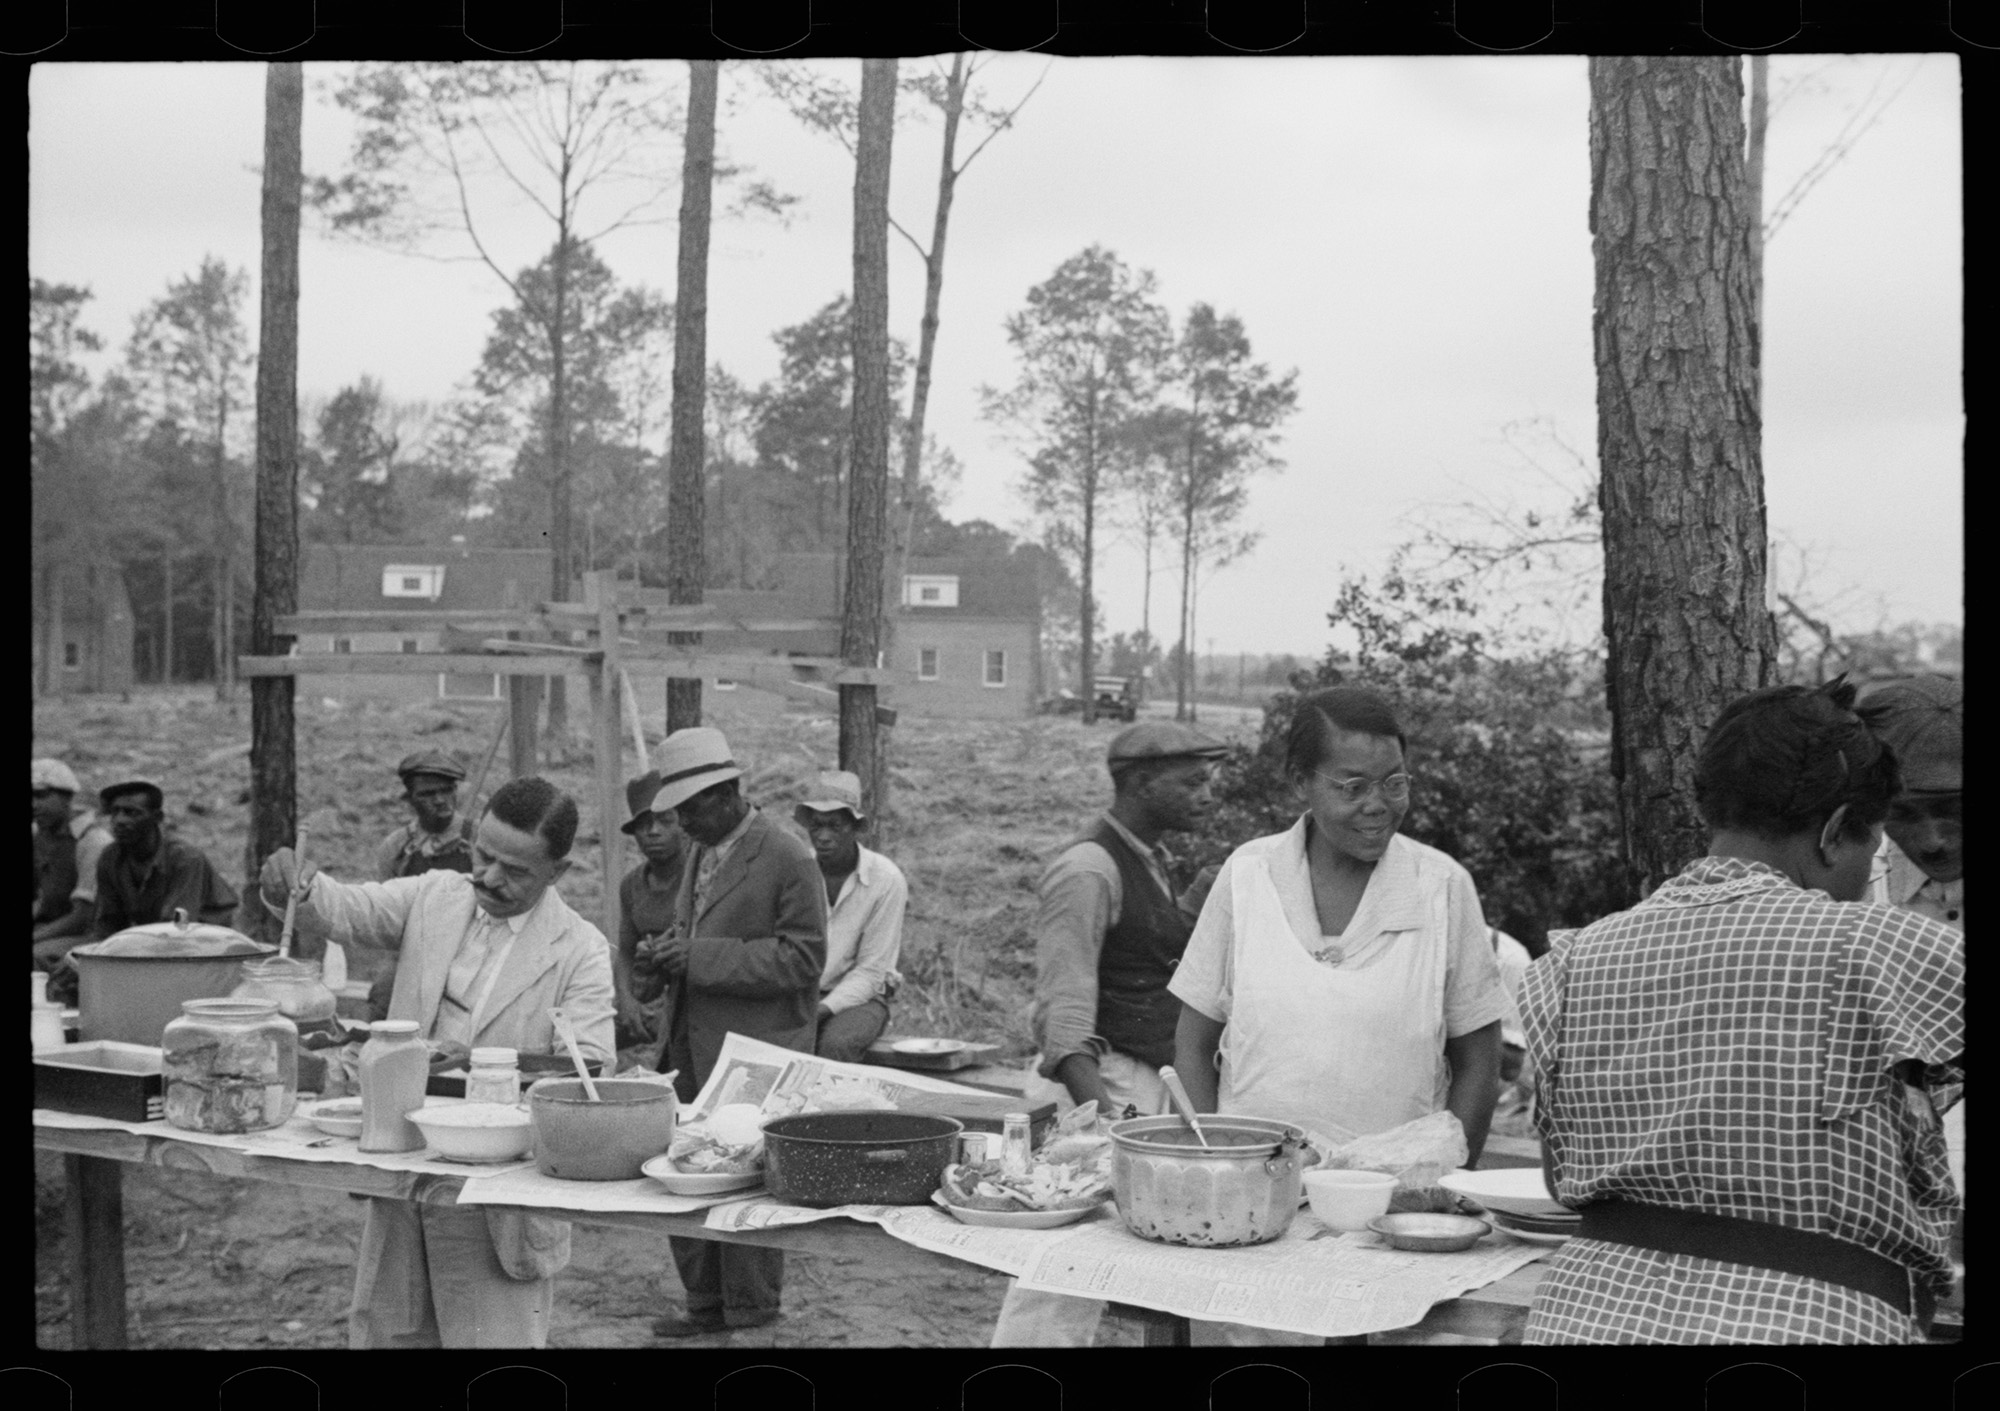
(1348, 1200)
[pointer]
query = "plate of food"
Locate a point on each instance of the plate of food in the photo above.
(679, 1182)
(931, 1048)
(1052, 1193)
(1013, 1219)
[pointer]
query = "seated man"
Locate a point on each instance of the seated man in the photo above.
(864, 933)
(488, 956)
(68, 843)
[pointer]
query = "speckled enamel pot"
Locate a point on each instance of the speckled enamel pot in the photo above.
(823, 1159)
(1243, 1191)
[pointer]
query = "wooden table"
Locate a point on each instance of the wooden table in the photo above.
(95, 1224)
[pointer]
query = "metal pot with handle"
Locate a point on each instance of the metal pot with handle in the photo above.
(130, 986)
(1243, 1188)
(824, 1159)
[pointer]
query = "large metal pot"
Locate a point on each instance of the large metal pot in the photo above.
(1243, 1189)
(824, 1159)
(131, 986)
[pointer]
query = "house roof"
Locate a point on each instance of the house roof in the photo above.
(987, 587)
(348, 577)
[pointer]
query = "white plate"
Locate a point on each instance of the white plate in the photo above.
(661, 1169)
(1533, 1237)
(1012, 1219)
(338, 1118)
(1517, 1191)
(932, 1047)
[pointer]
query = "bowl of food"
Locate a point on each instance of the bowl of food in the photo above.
(1426, 1233)
(1348, 1200)
(337, 1119)
(477, 1132)
(606, 1138)
(1517, 1190)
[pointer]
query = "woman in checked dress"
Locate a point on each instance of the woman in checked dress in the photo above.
(1742, 1076)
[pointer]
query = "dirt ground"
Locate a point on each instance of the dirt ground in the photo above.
(218, 1264)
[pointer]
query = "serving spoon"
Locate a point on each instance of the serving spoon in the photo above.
(567, 1033)
(1179, 1094)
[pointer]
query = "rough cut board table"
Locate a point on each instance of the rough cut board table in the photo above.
(95, 1208)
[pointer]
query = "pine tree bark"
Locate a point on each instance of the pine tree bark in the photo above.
(868, 460)
(273, 739)
(1686, 622)
(687, 500)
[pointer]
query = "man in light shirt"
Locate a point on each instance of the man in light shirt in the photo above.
(483, 959)
(864, 932)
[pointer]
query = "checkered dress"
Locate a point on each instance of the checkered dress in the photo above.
(1729, 1045)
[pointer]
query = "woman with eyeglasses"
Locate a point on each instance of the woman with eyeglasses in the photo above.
(1341, 976)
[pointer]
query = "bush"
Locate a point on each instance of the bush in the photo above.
(1509, 756)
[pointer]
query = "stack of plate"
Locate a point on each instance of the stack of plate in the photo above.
(1518, 1203)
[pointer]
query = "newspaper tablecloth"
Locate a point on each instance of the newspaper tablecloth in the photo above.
(297, 1140)
(643, 1196)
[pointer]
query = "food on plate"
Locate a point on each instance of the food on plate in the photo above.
(731, 1141)
(1045, 1187)
(1417, 1154)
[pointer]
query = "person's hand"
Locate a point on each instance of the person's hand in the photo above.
(1196, 895)
(280, 875)
(632, 1016)
(447, 1054)
(672, 954)
(824, 1014)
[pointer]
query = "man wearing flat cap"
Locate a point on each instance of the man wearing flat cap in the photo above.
(1108, 933)
(435, 837)
(145, 875)
(1921, 867)
(744, 954)
(864, 930)
(646, 897)
(68, 842)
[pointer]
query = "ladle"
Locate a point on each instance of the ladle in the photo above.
(1179, 1094)
(292, 900)
(567, 1033)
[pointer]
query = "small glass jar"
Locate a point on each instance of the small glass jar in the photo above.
(1017, 1140)
(395, 1068)
(295, 986)
(494, 1076)
(230, 1065)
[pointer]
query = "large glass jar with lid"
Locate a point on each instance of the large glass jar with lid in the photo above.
(230, 1065)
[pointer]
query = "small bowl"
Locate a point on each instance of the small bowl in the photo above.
(1425, 1233)
(1348, 1200)
(481, 1132)
(337, 1119)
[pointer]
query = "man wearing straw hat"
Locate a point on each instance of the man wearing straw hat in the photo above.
(744, 955)
(484, 958)
(864, 930)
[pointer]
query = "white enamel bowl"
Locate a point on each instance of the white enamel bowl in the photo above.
(475, 1131)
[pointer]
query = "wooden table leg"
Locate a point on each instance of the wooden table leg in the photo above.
(95, 1210)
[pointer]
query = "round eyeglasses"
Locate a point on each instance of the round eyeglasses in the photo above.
(1394, 789)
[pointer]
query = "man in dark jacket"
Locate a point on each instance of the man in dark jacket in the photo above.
(744, 955)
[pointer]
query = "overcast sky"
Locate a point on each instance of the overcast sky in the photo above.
(1410, 234)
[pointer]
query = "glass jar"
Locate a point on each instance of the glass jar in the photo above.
(394, 1069)
(494, 1076)
(230, 1065)
(294, 984)
(1017, 1142)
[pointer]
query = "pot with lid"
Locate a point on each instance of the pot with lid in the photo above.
(1244, 1188)
(131, 986)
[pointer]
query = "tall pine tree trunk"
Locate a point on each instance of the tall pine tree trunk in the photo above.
(273, 743)
(868, 460)
(687, 499)
(1686, 623)
(562, 563)
(1753, 174)
(167, 611)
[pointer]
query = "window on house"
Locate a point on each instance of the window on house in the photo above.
(930, 590)
(927, 664)
(343, 645)
(468, 686)
(996, 668)
(409, 646)
(72, 655)
(412, 580)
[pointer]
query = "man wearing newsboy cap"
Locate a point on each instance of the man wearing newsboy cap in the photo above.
(744, 955)
(1108, 933)
(864, 930)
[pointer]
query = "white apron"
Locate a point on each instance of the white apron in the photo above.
(1344, 1051)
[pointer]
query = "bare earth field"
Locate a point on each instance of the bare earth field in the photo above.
(976, 807)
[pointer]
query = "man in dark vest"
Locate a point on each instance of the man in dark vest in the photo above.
(1108, 933)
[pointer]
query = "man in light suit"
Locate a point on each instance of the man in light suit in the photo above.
(743, 955)
(483, 958)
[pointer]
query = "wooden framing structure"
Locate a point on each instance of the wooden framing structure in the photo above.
(523, 644)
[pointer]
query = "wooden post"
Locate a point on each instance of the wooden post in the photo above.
(95, 1219)
(523, 694)
(600, 590)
